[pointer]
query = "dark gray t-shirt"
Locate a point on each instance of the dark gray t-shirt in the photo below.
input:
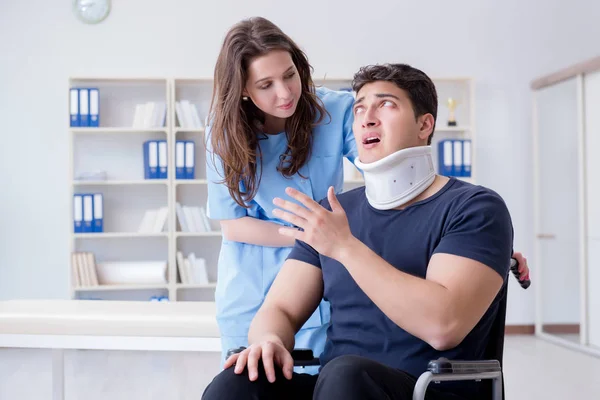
(461, 219)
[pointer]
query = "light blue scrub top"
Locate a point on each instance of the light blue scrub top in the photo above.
(246, 271)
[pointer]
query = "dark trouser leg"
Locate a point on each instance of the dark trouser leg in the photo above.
(353, 377)
(230, 386)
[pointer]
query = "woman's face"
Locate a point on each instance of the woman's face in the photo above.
(274, 84)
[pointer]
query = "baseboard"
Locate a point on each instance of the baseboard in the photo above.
(555, 329)
(519, 329)
(561, 328)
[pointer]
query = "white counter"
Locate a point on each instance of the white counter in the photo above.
(62, 325)
(96, 324)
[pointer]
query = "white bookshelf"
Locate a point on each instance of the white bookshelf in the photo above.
(194, 192)
(116, 148)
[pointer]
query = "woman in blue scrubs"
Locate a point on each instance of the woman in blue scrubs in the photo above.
(270, 128)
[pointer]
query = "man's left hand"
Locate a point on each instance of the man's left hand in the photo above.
(523, 266)
(326, 231)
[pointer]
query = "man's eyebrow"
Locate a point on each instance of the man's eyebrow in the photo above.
(378, 95)
(268, 77)
(384, 95)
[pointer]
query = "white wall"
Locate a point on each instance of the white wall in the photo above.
(502, 44)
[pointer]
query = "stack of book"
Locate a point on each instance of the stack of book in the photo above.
(192, 270)
(150, 115)
(187, 115)
(454, 157)
(88, 213)
(192, 219)
(84, 104)
(83, 269)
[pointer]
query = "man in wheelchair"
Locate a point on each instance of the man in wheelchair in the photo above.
(413, 265)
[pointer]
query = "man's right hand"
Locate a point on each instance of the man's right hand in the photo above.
(273, 354)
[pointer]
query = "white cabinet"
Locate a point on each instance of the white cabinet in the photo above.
(567, 205)
(557, 205)
(592, 141)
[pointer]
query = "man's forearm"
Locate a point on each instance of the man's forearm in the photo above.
(421, 307)
(270, 323)
(255, 231)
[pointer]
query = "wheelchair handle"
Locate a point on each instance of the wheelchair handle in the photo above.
(233, 351)
(514, 267)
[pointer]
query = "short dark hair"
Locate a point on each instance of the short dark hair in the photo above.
(418, 86)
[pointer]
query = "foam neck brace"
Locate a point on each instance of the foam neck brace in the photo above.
(398, 178)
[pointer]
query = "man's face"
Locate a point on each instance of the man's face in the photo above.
(384, 122)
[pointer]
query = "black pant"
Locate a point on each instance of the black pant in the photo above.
(346, 377)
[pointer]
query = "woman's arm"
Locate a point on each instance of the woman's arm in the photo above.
(255, 231)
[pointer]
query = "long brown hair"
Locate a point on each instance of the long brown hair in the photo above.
(234, 136)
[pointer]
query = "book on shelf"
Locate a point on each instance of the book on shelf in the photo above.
(152, 159)
(154, 221)
(83, 269)
(185, 159)
(191, 269)
(150, 115)
(156, 159)
(88, 213)
(454, 157)
(84, 107)
(192, 219)
(187, 115)
(190, 159)
(87, 272)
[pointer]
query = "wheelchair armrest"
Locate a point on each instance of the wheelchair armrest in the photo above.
(444, 370)
(302, 357)
(233, 351)
(444, 366)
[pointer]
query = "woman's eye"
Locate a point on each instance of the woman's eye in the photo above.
(266, 86)
(290, 76)
(388, 103)
(358, 110)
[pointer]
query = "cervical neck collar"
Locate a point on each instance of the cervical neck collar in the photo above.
(398, 178)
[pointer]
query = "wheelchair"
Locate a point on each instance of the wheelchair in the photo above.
(444, 370)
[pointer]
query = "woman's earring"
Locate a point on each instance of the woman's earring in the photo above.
(245, 98)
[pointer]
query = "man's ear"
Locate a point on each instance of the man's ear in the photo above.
(426, 122)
